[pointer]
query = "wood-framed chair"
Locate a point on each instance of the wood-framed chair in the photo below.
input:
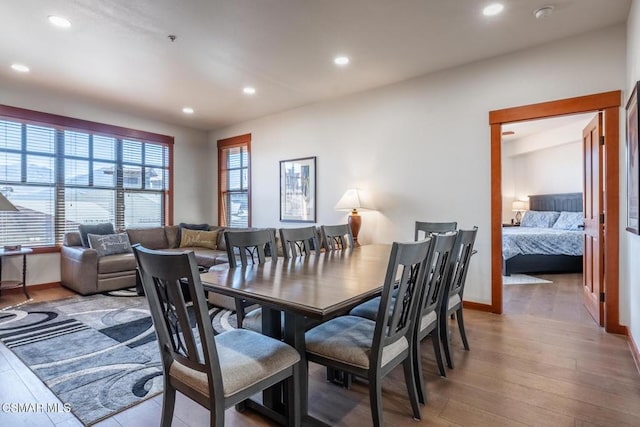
(252, 247)
(204, 367)
(427, 319)
(452, 300)
(336, 237)
(371, 349)
(299, 241)
(429, 228)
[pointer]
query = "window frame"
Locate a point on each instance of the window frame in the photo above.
(64, 123)
(225, 144)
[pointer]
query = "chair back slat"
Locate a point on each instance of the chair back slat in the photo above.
(252, 246)
(437, 274)
(337, 237)
(298, 241)
(395, 315)
(462, 251)
(429, 228)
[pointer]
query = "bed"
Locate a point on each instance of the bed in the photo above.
(549, 240)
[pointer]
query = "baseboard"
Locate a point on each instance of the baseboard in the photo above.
(477, 306)
(634, 349)
(39, 286)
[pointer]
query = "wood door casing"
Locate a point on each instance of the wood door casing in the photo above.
(593, 257)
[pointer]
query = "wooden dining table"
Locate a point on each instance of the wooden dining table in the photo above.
(306, 289)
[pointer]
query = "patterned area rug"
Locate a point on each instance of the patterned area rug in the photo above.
(523, 279)
(97, 353)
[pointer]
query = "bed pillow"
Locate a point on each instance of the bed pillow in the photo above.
(539, 219)
(569, 221)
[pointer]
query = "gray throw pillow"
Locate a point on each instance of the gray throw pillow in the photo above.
(109, 244)
(84, 229)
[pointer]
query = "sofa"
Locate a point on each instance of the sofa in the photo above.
(85, 272)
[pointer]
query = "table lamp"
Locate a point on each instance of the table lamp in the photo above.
(7, 206)
(353, 200)
(518, 206)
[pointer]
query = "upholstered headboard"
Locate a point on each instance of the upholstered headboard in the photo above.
(569, 202)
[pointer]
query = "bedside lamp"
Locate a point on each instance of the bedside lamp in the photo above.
(353, 200)
(519, 206)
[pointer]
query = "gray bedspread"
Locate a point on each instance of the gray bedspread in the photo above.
(540, 241)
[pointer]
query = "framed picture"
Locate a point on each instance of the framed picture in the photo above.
(298, 190)
(633, 166)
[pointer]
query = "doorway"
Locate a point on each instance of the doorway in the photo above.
(608, 104)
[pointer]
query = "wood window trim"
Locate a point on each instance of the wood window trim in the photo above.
(607, 102)
(223, 144)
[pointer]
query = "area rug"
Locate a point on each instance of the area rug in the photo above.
(523, 279)
(96, 353)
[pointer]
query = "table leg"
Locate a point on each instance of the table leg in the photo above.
(24, 275)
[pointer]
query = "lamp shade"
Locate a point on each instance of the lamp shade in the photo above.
(354, 199)
(519, 205)
(6, 205)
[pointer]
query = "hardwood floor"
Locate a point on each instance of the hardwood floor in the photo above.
(542, 363)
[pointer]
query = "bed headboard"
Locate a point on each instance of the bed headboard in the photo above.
(570, 202)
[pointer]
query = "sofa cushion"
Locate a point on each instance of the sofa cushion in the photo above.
(150, 238)
(172, 235)
(205, 257)
(116, 263)
(109, 244)
(199, 238)
(84, 229)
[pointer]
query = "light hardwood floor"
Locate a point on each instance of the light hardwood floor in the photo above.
(542, 363)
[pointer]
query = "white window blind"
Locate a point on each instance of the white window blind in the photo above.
(234, 182)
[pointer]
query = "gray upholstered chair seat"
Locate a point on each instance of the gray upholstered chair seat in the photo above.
(348, 339)
(367, 310)
(246, 358)
(453, 301)
(253, 320)
(427, 320)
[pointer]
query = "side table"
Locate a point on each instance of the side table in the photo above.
(16, 283)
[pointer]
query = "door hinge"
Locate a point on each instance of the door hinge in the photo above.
(601, 139)
(601, 218)
(601, 296)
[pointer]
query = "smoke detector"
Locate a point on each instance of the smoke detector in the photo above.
(543, 12)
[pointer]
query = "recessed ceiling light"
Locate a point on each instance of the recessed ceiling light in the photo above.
(59, 21)
(187, 110)
(493, 9)
(249, 90)
(20, 68)
(341, 60)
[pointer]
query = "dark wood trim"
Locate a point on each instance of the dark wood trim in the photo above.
(169, 192)
(46, 250)
(234, 141)
(37, 287)
(633, 346)
(609, 103)
(477, 306)
(70, 122)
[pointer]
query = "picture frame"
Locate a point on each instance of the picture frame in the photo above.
(633, 162)
(298, 190)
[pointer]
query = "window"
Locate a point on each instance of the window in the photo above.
(234, 178)
(61, 172)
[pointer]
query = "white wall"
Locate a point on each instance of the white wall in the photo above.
(192, 169)
(630, 244)
(422, 147)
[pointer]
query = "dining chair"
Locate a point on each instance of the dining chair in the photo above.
(452, 300)
(252, 247)
(215, 371)
(428, 228)
(371, 349)
(299, 241)
(428, 313)
(336, 237)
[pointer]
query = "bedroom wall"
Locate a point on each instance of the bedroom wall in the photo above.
(422, 147)
(191, 166)
(630, 243)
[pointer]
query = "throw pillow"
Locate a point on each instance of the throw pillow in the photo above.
(109, 244)
(569, 221)
(101, 229)
(183, 225)
(198, 238)
(539, 219)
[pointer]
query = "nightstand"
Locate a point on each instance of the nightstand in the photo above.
(510, 225)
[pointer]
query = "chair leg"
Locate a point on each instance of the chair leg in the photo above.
(416, 360)
(375, 399)
(239, 312)
(410, 380)
(168, 403)
(444, 338)
(293, 411)
(435, 339)
(216, 416)
(461, 327)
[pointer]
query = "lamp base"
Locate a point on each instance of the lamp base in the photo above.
(518, 217)
(355, 221)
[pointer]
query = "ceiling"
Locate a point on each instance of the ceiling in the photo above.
(118, 52)
(529, 128)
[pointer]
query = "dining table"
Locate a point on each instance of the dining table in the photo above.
(302, 291)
